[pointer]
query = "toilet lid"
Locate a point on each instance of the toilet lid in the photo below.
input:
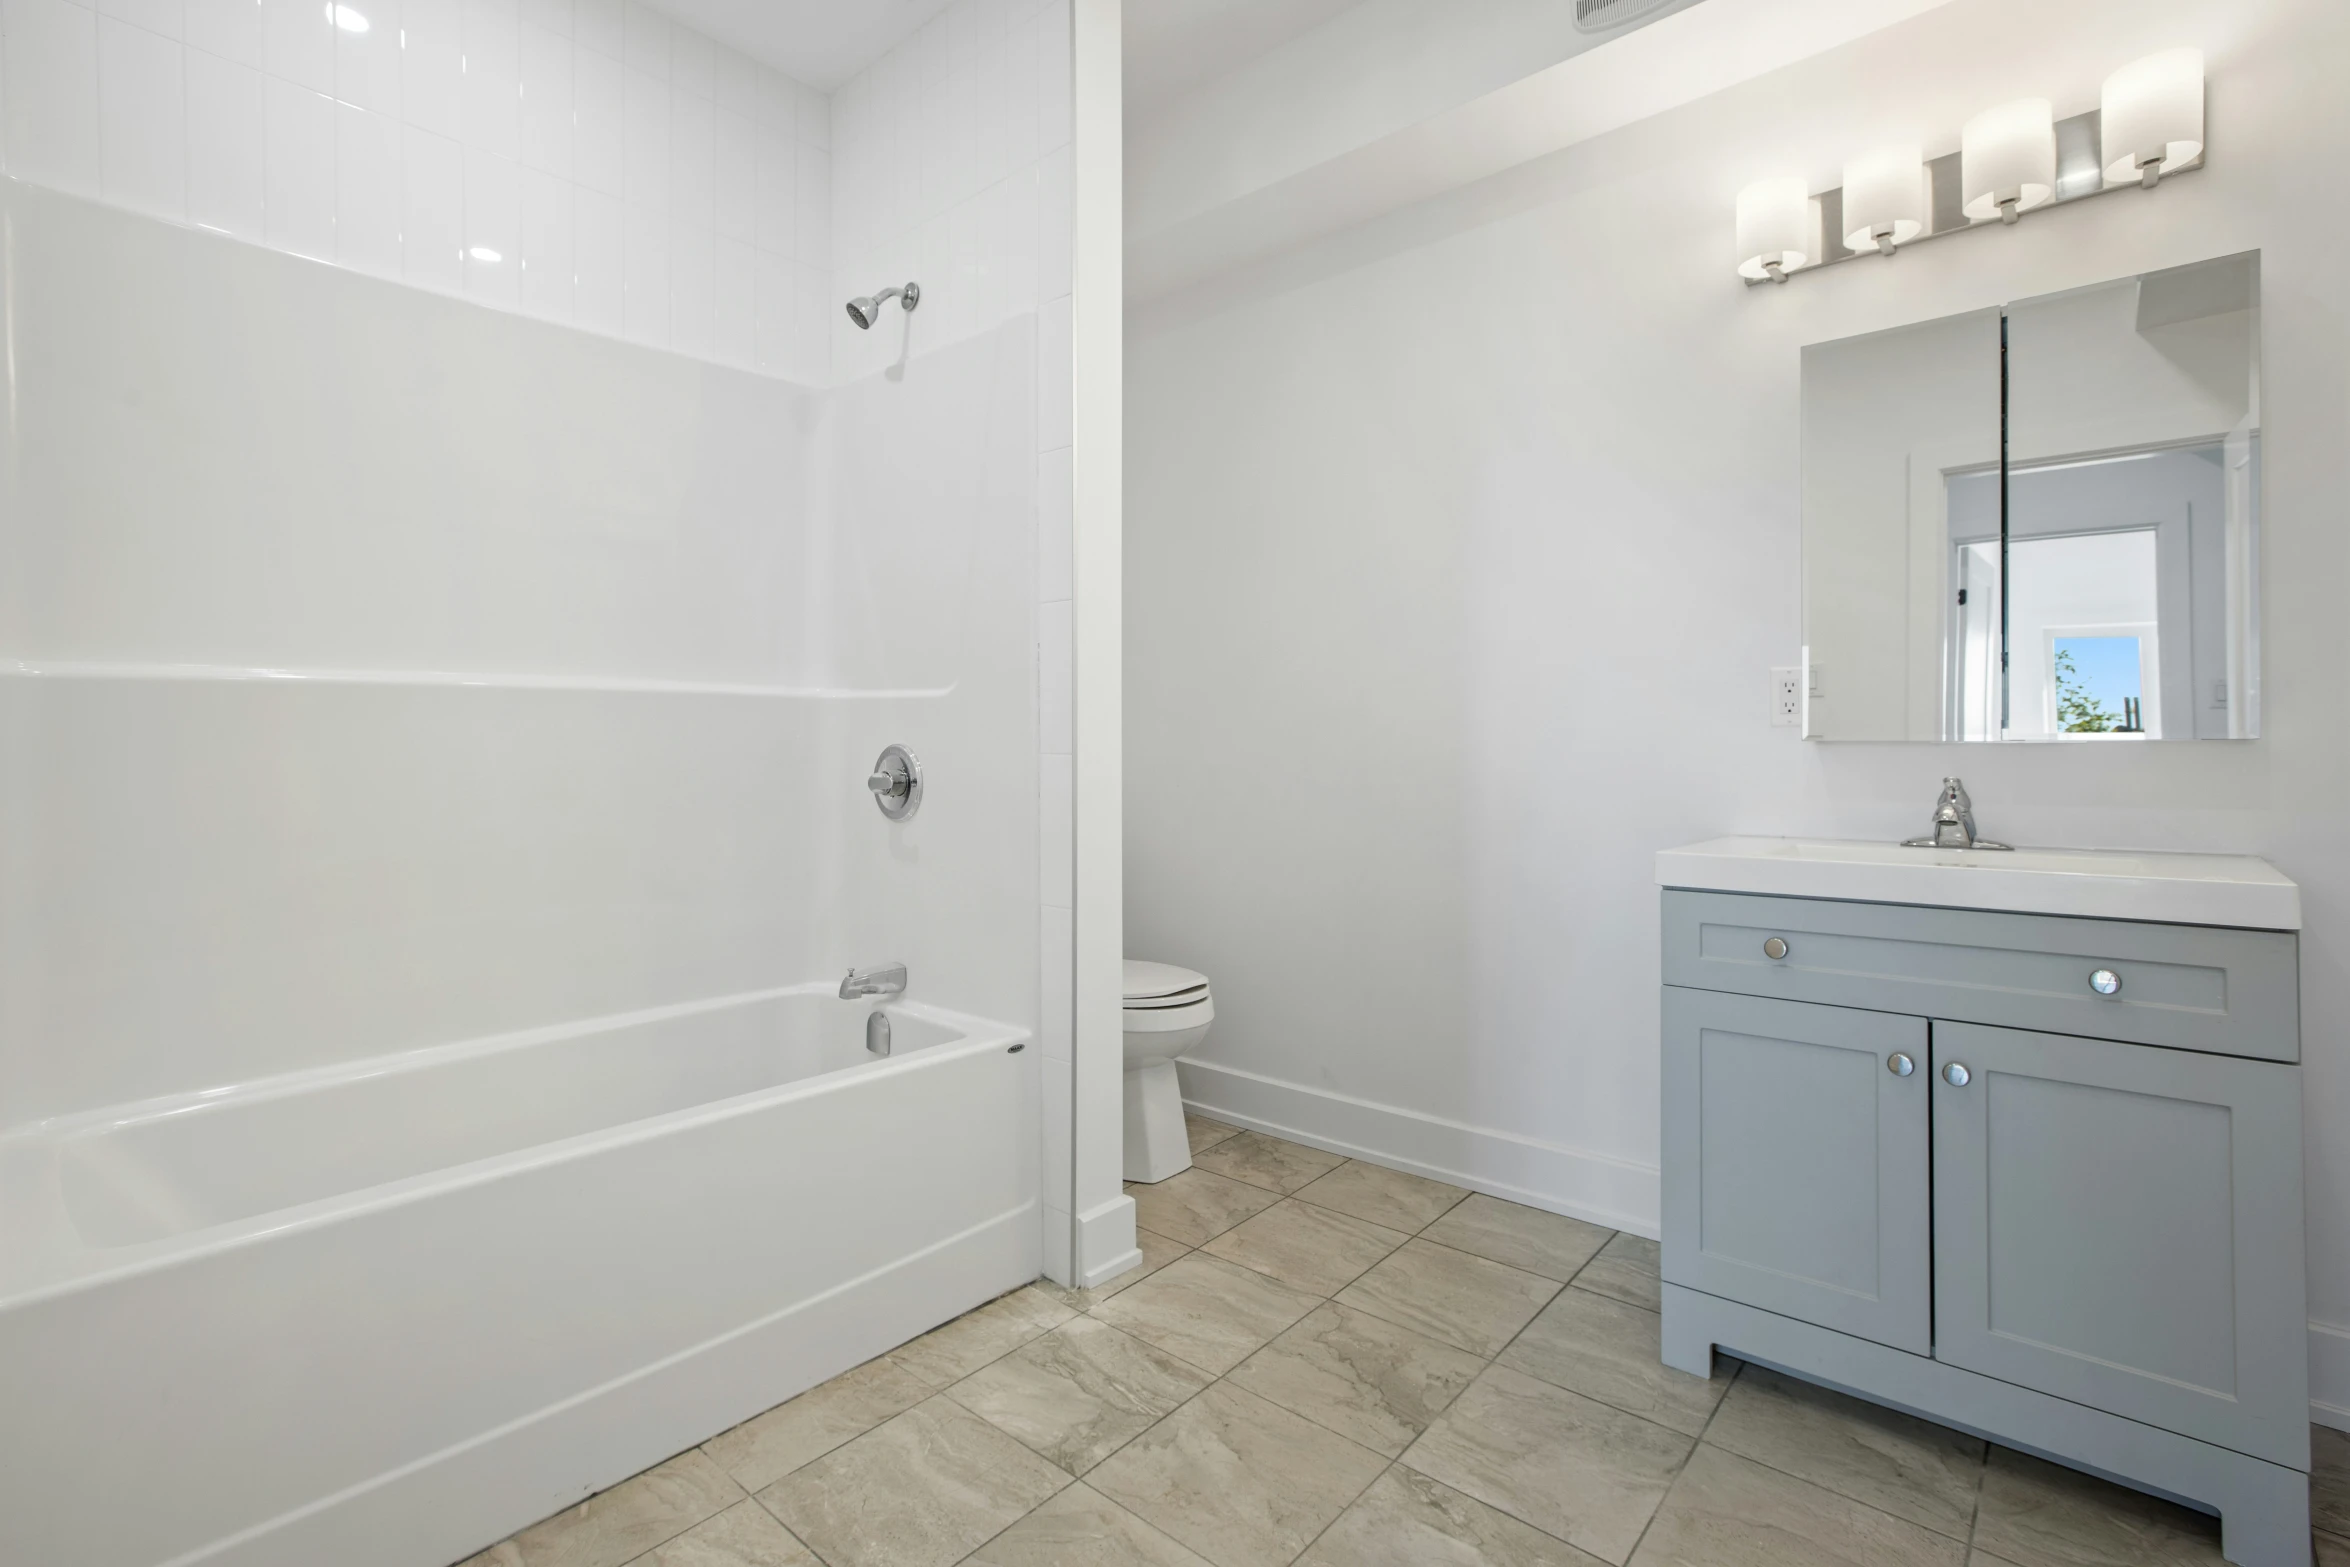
(1162, 984)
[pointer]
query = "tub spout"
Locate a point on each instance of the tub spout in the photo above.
(885, 979)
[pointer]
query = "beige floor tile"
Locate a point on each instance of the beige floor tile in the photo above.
(1896, 1463)
(921, 1490)
(1083, 1528)
(1621, 1280)
(1639, 1251)
(2333, 1550)
(1318, 1250)
(2329, 1479)
(765, 1448)
(1241, 1481)
(1157, 1252)
(1204, 1310)
(1205, 1133)
(948, 1354)
(621, 1524)
(1577, 1469)
(2038, 1514)
(1607, 1350)
(1267, 1161)
(745, 1535)
(1388, 1197)
(1198, 1205)
(1728, 1511)
(1079, 1393)
(1546, 1243)
(1465, 1301)
(1408, 1520)
(1361, 1376)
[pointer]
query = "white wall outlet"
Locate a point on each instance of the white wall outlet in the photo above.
(1786, 698)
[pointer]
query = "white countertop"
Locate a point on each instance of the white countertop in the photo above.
(2178, 889)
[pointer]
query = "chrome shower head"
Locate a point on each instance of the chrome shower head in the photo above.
(865, 309)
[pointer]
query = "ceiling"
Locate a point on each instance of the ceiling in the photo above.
(1175, 46)
(819, 42)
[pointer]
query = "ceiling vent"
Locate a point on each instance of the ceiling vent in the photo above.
(1605, 16)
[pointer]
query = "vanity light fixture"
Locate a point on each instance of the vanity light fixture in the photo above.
(2010, 160)
(1885, 198)
(2151, 112)
(2007, 160)
(1776, 229)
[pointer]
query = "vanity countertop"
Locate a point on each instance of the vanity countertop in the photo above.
(2179, 889)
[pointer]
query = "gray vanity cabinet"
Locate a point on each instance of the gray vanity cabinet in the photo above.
(2120, 1226)
(2036, 1176)
(1809, 1160)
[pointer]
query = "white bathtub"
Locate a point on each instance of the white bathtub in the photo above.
(389, 1312)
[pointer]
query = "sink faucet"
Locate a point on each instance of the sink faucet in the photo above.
(1954, 823)
(883, 979)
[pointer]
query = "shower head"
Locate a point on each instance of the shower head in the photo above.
(865, 309)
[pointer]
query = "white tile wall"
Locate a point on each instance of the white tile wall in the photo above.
(581, 160)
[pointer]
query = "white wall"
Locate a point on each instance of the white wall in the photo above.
(953, 160)
(630, 175)
(1459, 548)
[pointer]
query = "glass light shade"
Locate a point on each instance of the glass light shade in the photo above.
(2008, 154)
(1774, 225)
(1885, 194)
(2153, 114)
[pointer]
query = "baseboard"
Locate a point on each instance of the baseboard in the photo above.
(1593, 1187)
(472, 1495)
(1105, 1241)
(2329, 1374)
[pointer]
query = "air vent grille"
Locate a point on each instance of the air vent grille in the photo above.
(1605, 16)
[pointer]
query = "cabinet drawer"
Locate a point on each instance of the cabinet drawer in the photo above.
(2189, 987)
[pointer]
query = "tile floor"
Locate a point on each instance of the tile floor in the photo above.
(1326, 1362)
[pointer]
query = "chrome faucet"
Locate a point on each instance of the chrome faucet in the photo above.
(883, 979)
(1954, 823)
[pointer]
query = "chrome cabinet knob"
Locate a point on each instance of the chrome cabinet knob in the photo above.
(1775, 948)
(1899, 1064)
(2105, 982)
(1956, 1074)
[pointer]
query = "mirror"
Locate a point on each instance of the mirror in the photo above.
(2040, 522)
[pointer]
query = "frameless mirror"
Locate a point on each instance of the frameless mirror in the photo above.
(2040, 522)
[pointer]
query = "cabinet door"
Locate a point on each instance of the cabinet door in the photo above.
(1795, 1161)
(2120, 1225)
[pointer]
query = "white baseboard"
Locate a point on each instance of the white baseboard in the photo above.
(1105, 1241)
(1593, 1187)
(2329, 1374)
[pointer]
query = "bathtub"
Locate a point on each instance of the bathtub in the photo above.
(389, 1312)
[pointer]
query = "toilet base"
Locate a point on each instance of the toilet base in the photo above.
(1157, 1146)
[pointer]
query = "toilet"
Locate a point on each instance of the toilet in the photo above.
(1168, 1011)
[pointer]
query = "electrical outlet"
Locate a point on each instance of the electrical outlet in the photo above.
(1786, 698)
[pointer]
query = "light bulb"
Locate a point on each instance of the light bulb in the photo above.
(2007, 159)
(2152, 116)
(1885, 198)
(1776, 232)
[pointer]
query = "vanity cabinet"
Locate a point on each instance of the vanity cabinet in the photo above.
(2033, 1175)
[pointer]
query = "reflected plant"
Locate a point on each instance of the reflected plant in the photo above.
(2077, 712)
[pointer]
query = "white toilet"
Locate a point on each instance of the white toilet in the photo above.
(1168, 1011)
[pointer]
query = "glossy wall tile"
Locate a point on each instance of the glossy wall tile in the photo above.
(580, 160)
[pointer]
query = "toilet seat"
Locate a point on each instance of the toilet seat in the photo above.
(1150, 985)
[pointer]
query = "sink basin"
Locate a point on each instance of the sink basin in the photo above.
(2184, 889)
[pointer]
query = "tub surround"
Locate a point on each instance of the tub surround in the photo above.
(1961, 1150)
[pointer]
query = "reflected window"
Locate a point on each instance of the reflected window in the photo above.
(2098, 683)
